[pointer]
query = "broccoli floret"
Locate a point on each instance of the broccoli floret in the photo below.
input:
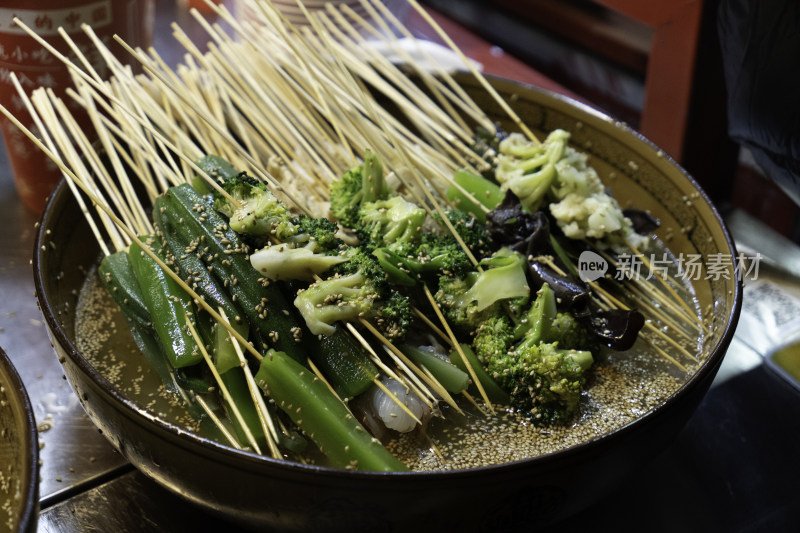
(357, 289)
(470, 229)
(458, 310)
(394, 223)
(439, 254)
(362, 184)
(470, 300)
(493, 339)
(312, 250)
(529, 169)
(570, 333)
(542, 380)
(503, 277)
(319, 233)
(393, 317)
(536, 324)
(336, 298)
(255, 210)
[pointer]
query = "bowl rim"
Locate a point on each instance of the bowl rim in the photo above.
(30, 474)
(251, 459)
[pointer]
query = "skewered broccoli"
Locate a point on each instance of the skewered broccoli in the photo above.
(570, 333)
(357, 289)
(359, 185)
(529, 169)
(542, 379)
(471, 230)
(493, 338)
(394, 223)
(307, 246)
(434, 254)
(286, 262)
(255, 209)
(320, 232)
(313, 250)
(470, 300)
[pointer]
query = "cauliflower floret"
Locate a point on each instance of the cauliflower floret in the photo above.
(594, 217)
(576, 176)
(585, 210)
(554, 172)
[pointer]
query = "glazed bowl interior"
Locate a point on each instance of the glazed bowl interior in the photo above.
(258, 491)
(19, 453)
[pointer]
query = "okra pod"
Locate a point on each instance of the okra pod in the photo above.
(236, 384)
(217, 168)
(117, 275)
(185, 256)
(169, 306)
(223, 251)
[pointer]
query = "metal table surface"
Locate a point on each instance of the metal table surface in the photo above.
(734, 467)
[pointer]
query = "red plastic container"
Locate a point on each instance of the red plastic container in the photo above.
(34, 174)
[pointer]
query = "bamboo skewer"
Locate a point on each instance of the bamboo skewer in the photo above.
(473, 376)
(478, 76)
(458, 96)
(225, 392)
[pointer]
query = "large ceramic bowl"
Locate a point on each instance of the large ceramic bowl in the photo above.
(258, 491)
(19, 453)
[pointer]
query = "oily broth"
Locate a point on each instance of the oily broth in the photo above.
(103, 337)
(621, 387)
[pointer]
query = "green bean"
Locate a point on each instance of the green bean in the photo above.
(493, 390)
(315, 409)
(450, 376)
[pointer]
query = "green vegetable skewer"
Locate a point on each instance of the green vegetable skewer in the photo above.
(186, 259)
(117, 275)
(343, 361)
(225, 254)
(169, 307)
(450, 376)
(485, 195)
(319, 413)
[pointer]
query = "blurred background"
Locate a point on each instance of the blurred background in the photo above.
(655, 65)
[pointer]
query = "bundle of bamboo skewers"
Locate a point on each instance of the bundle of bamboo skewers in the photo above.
(295, 107)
